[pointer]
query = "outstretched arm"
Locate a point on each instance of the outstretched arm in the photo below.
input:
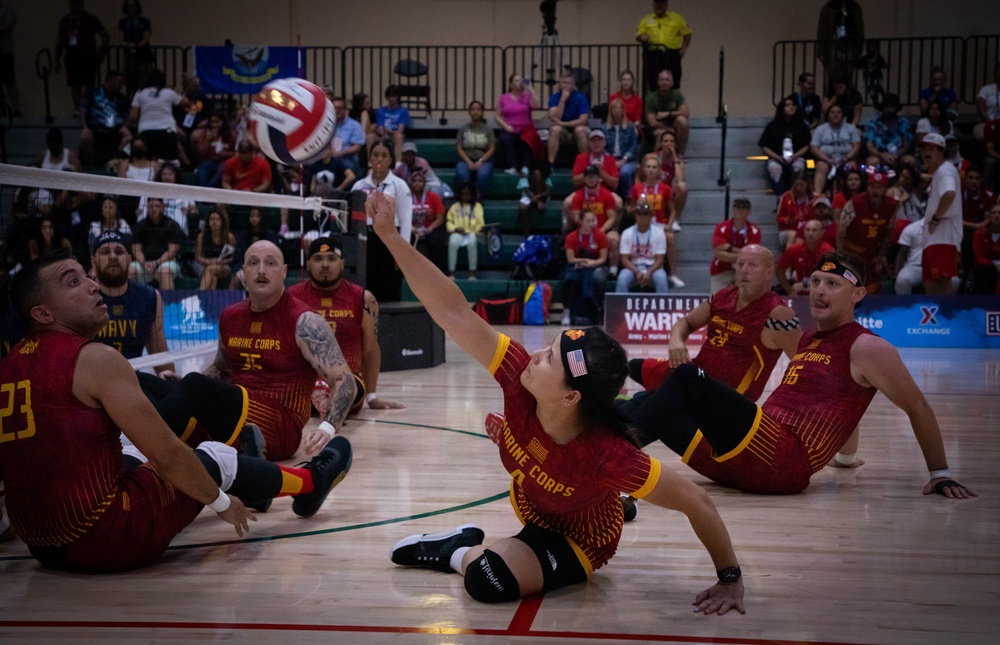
(443, 299)
(876, 363)
(319, 346)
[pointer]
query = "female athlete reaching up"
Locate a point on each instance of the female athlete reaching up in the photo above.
(567, 450)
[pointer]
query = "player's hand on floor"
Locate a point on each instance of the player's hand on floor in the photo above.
(382, 404)
(314, 442)
(238, 515)
(948, 488)
(857, 463)
(719, 599)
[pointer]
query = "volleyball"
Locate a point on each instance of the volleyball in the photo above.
(292, 120)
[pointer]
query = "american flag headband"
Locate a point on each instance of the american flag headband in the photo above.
(571, 347)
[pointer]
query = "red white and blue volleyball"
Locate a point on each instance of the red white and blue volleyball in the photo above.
(292, 120)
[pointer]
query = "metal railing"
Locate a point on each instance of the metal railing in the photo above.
(722, 118)
(968, 63)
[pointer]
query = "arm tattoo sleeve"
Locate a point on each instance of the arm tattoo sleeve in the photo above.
(220, 367)
(324, 354)
(371, 308)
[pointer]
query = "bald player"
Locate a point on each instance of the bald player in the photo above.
(352, 313)
(749, 326)
(775, 448)
(273, 346)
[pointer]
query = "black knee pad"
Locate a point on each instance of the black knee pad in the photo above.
(489, 579)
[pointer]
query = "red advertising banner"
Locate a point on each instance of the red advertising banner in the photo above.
(647, 318)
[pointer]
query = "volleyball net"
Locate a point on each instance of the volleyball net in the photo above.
(43, 210)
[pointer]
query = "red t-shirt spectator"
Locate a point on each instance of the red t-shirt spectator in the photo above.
(599, 202)
(829, 232)
(658, 195)
(991, 134)
(426, 208)
(727, 233)
(246, 177)
(974, 208)
(792, 212)
(633, 106)
(986, 248)
(586, 246)
(607, 162)
(802, 261)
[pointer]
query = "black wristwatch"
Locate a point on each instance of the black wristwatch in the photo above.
(729, 575)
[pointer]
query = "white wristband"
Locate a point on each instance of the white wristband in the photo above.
(940, 472)
(221, 503)
(328, 428)
(845, 459)
(371, 396)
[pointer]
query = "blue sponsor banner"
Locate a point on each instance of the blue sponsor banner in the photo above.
(926, 321)
(243, 69)
(191, 317)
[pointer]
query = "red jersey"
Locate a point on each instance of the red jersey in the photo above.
(264, 357)
(605, 161)
(573, 488)
(792, 212)
(587, 246)
(668, 168)
(634, 108)
(727, 233)
(426, 209)
(803, 260)
(61, 460)
(246, 177)
(840, 200)
(658, 195)
(344, 309)
(867, 234)
(986, 246)
(975, 207)
(600, 202)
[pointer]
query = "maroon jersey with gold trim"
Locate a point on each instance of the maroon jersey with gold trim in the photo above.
(344, 309)
(818, 400)
(61, 460)
(573, 488)
(867, 234)
(264, 357)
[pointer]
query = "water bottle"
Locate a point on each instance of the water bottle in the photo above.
(786, 148)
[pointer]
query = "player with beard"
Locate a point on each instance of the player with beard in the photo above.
(352, 313)
(135, 310)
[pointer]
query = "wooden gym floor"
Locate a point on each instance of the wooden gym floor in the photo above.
(860, 557)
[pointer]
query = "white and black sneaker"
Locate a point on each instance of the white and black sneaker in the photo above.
(433, 550)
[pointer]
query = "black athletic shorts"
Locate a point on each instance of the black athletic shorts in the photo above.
(560, 565)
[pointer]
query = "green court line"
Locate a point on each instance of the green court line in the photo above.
(420, 425)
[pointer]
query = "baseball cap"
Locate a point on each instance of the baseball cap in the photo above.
(109, 237)
(597, 133)
(325, 245)
(591, 171)
(822, 200)
(933, 139)
(409, 146)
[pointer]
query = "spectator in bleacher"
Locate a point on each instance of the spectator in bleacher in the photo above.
(938, 92)
(214, 250)
(77, 39)
(672, 172)
(909, 254)
(665, 108)
(134, 33)
(848, 98)
(569, 113)
(650, 190)
(888, 135)
(56, 155)
(824, 213)
(179, 210)
(392, 119)
(193, 117)
(153, 115)
(935, 119)
(991, 160)
(47, 238)
(139, 165)
(535, 190)
(872, 65)
(942, 220)
(585, 275)
(794, 208)
(156, 243)
(464, 222)
(475, 144)
(596, 155)
(865, 227)
(665, 37)
(362, 112)
(953, 155)
(348, 136)
(835, 146)
(103, 122)
(429, 231)
(214, 145)
(517, 129)
(110, 220)
(413, 163)
(785, 142)
(808, 105)
(988, 104)
(801, 259)
(976, 204)
(594, 198)
(630, 97)
(329, 177)
(987, 254)
(643, 251)
(247, 170)
(852, 184)
(622, 144)
(841, 37)
(728, 238)
(907, 191)
(256, 231)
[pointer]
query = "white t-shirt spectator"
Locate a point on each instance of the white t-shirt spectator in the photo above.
(924, 126)
(991, 94)
(949, 228)
(836, 142)
(643, 247)
(912, 237)
(156, 109)
(397, 188)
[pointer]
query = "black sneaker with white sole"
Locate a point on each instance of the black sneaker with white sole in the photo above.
(434, 550)
(251, 443)
(328, 469)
